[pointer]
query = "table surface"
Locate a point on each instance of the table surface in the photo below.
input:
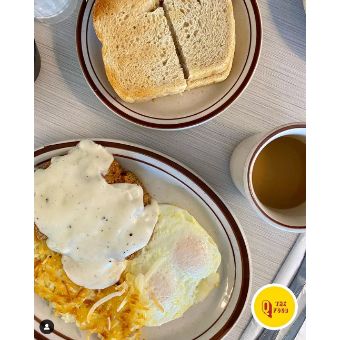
(66, 108)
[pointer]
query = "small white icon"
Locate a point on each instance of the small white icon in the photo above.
(46, 326)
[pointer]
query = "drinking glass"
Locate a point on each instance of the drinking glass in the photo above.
(53, 11)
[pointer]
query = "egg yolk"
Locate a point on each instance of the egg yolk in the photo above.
(162, 286)
(189, 255)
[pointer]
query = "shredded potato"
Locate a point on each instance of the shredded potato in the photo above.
(156, 302)
(121, 317)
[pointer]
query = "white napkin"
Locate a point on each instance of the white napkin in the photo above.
(284, 276)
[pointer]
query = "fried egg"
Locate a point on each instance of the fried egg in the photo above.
(178, 267)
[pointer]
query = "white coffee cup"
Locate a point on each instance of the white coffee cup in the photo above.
(242, 165)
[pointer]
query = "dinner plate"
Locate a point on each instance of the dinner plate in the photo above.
(182, 110)
(168, 181)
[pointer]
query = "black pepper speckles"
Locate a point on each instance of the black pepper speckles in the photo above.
(46, 200)
(70, 227)
(130, 234)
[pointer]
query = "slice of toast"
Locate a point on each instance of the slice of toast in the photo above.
(204, 32)
(138, 51)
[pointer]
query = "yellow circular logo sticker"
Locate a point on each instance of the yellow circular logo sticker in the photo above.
(274, 306)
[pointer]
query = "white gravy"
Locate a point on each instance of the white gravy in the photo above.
(95, 225)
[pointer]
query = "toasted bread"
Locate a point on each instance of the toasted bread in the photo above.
(138, 51)
(154, 48)
(204, 31)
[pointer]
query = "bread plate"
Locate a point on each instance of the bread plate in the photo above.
(171, 182)
(176, 111)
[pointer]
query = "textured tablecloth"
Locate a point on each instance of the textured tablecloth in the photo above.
(66, 108)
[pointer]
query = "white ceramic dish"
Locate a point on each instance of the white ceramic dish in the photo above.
(170, 182)
(177, 111)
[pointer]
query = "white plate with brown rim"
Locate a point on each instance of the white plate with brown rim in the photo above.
(177, 111)
(170, 182)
